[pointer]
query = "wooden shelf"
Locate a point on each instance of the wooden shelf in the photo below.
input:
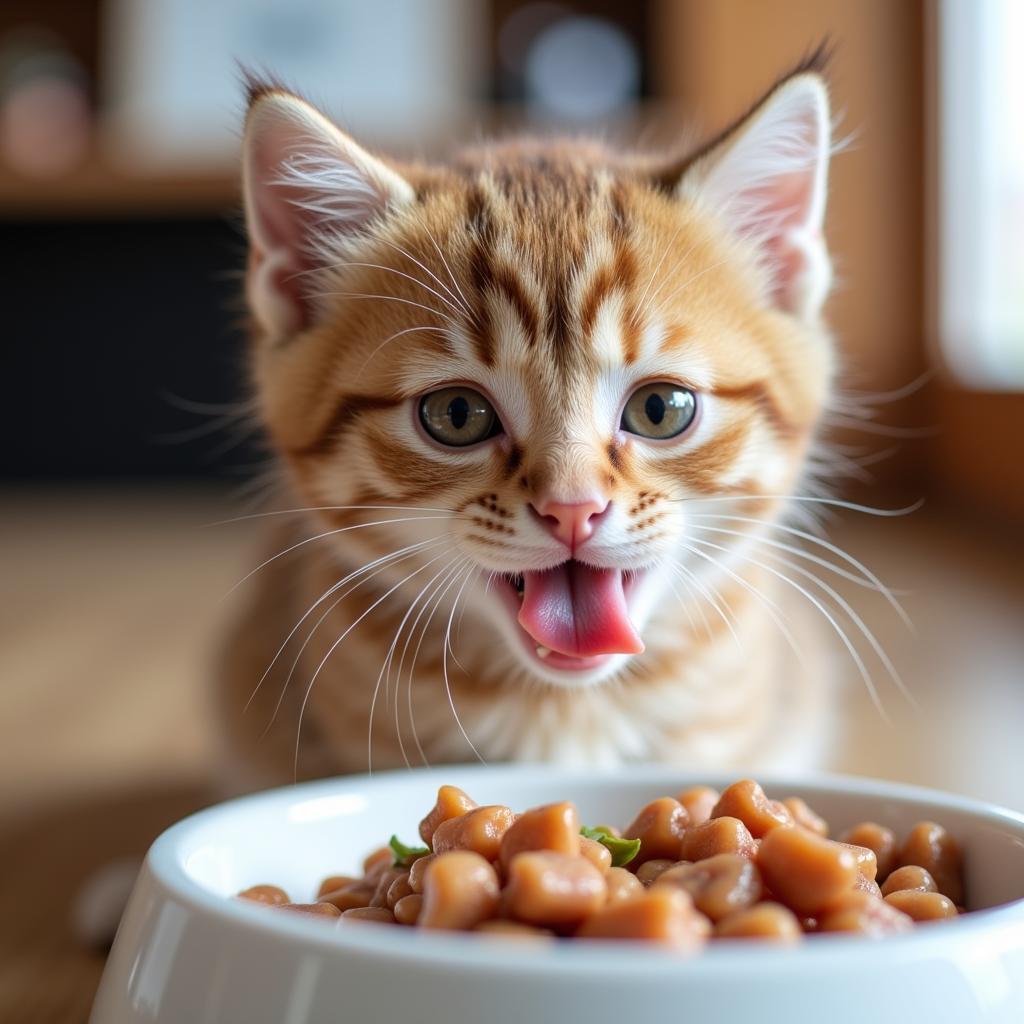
(103, 187)
(98, 189)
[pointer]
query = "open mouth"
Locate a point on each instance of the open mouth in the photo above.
(574, 617)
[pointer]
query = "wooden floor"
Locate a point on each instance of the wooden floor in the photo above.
(109, 603)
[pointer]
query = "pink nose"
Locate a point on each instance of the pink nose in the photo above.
(573, 523)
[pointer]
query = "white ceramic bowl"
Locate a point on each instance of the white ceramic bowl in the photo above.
(186, 952)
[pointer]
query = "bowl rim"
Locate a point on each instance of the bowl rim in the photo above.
(1000, 928)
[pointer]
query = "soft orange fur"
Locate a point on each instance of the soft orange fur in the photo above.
(580, 269)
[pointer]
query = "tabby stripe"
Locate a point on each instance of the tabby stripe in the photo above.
(620, 274)
(350, 408)
(625, 273)
(481, 331)
(674, 337)
(363, 497)
(513, 461)
(704, 467)
(490, 542)
(558, 324)
(632, 331)
(481, 228)
(758, 393)
(619, 219)
(624, 266)
(614, 455)
(504, 281)
(420, 476)
(478, 215)
(601, 286)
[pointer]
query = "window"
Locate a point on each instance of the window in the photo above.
(980, 136)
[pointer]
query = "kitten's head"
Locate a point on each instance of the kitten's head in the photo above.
(549, 353)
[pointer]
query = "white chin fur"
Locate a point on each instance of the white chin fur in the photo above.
(573, 680)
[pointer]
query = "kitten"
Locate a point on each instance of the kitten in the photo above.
(536, 406)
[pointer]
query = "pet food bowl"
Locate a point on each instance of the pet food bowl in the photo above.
(187, 953)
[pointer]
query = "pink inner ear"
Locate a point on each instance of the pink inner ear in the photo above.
(768, 183)
(306, 185)
(787, 265)
(284, 280)
(786, 204)
(280, 230)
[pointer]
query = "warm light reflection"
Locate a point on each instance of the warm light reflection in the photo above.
(981, 192)
(326, 807)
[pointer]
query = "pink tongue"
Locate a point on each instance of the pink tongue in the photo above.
(578, 610)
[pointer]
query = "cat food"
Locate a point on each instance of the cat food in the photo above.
(701, 866)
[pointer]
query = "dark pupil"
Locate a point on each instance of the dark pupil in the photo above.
(458, 412)
(655, 408)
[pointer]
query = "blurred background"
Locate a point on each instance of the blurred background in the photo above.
(124, 362)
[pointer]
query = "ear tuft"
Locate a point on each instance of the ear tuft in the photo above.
(309, 189)
(767, 180)
(258, 84)
(817, 61)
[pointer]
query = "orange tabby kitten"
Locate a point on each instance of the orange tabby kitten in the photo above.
(534, 405)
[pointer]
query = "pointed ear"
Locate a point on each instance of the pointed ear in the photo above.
(307, 188)
(767, 178)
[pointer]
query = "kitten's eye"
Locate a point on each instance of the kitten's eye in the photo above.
(458, 417)
(659, 411)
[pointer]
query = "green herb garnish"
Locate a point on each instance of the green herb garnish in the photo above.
(405, 855)
(622, 850)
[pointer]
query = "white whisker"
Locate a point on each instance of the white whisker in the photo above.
(683, 605)
(445, 572)
(399, 273)
(458, 627)
(460, 300)
(388, 298)
(332, 508)
(239, 435)
(202, 430)
(858, 621)
(773, 610)
(234, 410)
(688, 583)
(316, 626)
(334, 646)
(869, 579)
(386, 665)
(707, 591)
(687, 283)
(444, 666)
(860, 398)
(880, 429)
(832, 502)
(434, 600)
(455, 283)
(321, 536)
(327, 593)
(840, 632)
(398, 334)
(660, 263)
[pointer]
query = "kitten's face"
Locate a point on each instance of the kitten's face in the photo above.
(549, 357)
